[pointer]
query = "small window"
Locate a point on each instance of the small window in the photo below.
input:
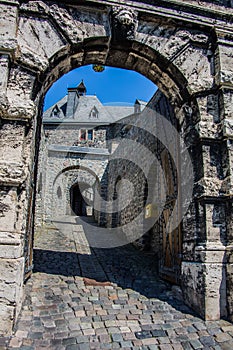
(40, 184)
(83, 134)
(55, 112)
(90, 135)
(59, 193)
(94, 113)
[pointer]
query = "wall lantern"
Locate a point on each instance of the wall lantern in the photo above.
(98, 68)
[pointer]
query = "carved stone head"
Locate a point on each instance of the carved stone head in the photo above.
(124, 23)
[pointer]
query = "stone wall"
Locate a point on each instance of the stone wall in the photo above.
(63, 169)
(69, 135)
(145, 188)
(64, 160)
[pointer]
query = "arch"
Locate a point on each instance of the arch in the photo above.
(138, 57)
(76, 167)
(159, 50)
(76, 176)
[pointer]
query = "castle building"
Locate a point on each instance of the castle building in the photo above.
(75, 134)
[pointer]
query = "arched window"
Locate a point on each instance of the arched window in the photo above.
(55, 112)
(39, 188)
(59, 192)
(94, 113)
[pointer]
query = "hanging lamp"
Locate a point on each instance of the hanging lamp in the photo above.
(98, 68)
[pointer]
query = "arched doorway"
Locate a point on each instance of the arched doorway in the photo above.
(77, 202)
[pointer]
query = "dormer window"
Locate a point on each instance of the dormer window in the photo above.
(94, 113)
(55, 112)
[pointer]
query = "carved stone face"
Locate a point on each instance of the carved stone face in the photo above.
(124, 23)
(125, 17)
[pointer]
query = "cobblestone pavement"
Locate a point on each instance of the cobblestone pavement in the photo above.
(68, 305)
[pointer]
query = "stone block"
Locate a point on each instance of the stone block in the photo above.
(8, 212)
(4, 69)
(11, 245)
(8, 14)
(195, 67)
(41, 42)
(226, 70)
(11, 142)
(11, 292)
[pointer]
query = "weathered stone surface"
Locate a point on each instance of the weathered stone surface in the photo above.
(8, 208)
(4, 67)
(31, 50)
(11, 281)
(8, 14)
(172, 45)
(226, 72)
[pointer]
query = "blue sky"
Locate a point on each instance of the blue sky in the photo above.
(113, 85)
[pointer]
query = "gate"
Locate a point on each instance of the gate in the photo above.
(28, 245)
(171, 242)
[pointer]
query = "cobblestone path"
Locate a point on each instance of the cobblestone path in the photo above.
(65, 308)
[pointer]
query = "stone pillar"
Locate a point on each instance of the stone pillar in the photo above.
(16, 139)
(207, 267)
(225, 80)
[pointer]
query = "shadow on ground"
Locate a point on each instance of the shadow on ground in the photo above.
(125, 266)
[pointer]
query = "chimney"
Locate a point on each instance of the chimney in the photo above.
(137, 107)
(72, 102)
(73, 98)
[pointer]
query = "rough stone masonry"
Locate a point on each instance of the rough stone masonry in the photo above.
(185, 48)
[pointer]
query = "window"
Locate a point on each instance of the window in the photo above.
(82, 134)
(55, 112)
(59, 193)
(40, 184)
(90, 134)
(94, 113)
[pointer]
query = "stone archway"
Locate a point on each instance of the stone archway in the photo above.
(187, 53)
(78, 205)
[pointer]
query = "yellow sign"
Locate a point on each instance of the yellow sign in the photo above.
(150, 211)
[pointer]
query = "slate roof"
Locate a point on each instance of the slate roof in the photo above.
(61, 105)
(119, 112)
(106, 114)
(86, 105)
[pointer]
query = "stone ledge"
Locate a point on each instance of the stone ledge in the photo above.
(11, 246)
(8, 46)
(16, 110)
(12, 174)
(211, 253)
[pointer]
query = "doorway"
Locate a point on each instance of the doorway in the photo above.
(78, 204)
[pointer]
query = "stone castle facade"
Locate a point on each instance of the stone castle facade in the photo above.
(74, 148)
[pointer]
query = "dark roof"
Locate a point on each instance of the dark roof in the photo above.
(83, 113)
(81, 86)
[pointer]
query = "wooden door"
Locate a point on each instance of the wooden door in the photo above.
(28, 246)
(170, 259)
